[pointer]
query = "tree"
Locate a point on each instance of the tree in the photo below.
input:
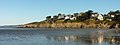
(111, 13)
(48, 17)
(117, 11)
(88, 14)
(55, 18)
(76, 14)
(90, 11)
(82, 17)
(59, 14)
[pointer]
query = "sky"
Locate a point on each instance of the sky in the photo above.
(13, 12)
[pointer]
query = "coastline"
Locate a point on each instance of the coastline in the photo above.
(71, 25)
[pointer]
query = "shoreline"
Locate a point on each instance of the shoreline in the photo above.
(71, 25)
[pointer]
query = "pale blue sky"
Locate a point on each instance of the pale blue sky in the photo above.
(25, 11)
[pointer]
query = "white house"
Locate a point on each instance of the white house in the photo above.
(94, 15)
(73, 18)
(61, 16)
(67, 17)
(113, 16)
(100, 17)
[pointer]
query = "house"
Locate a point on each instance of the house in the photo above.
(67, 17)
(73, 18)
(112, 16)
(94, 15)
(106, 17)
(100, 17)
(62, 16)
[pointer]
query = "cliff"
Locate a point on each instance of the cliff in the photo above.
(83, 24)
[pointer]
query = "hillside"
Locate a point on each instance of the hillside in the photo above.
(88, 19)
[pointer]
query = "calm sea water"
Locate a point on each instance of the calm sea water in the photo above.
(43, 36)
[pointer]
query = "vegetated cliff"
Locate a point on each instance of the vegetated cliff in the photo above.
(84, 24)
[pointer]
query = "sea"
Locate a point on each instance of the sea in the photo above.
(13, 35)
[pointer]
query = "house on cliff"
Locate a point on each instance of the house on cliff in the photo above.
(67, 17)
(61, 16)
(70, 17)
(106, 17)
(94, 15)
(100, 17)
(73, 18)
(111, 17)
(114, 16)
